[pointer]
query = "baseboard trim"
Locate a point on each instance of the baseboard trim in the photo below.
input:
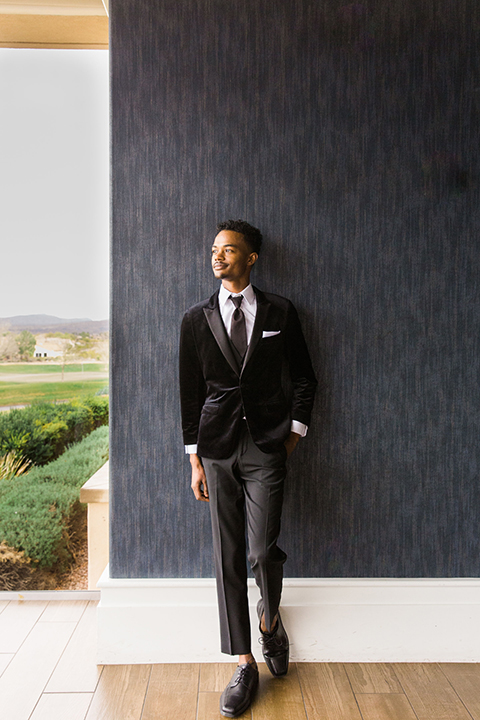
(328, 620)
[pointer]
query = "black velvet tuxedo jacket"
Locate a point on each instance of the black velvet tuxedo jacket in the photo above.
(216, 392)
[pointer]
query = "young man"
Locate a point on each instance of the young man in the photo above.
(239, 429)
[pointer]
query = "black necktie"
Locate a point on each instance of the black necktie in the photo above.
(238, 330)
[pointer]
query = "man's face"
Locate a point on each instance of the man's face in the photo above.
(232, 259)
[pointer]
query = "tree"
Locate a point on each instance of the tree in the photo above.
(26, 344)
(8, 346)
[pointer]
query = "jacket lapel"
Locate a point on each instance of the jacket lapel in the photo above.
(215, 323)
(263, 307)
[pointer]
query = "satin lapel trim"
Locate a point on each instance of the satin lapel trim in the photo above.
(262, 312)
(215, 322)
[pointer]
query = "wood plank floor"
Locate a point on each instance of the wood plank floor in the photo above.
(48, 672)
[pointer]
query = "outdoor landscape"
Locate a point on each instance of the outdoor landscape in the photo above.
(53, 438)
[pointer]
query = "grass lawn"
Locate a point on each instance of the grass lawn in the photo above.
(32, 368)
(26, 393)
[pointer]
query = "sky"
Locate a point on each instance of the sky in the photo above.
(54, 183)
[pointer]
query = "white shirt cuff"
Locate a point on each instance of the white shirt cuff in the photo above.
(299, 428)
(296, 427)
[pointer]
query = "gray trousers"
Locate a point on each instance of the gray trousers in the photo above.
(246, 497)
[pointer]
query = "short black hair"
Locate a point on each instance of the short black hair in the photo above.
(252, 235)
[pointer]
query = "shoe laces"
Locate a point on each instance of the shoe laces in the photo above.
(240, 676)
(270, 641)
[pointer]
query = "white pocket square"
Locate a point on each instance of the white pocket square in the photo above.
(270, 333)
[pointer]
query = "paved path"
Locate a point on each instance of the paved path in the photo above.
(52, 377)
(5, 408)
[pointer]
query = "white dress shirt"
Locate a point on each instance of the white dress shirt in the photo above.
(249, 308)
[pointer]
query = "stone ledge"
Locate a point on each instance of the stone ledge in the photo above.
(95, 493)
(95, 489)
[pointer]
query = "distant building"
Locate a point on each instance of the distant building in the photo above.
(41, 352)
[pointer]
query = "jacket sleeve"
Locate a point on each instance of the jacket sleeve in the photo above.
(301, 371)
(192, 383)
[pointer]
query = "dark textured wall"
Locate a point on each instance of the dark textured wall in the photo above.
(349, 134)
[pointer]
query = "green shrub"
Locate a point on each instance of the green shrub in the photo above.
(43, 431)
(99, 409)
(35, 508)
(53, 435)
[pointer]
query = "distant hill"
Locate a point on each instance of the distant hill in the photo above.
(51, 323)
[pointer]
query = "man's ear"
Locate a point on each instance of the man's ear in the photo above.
(252, 259)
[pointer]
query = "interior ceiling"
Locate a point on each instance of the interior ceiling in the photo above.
(54, 7)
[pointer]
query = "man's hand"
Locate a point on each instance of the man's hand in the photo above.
(291, 442)
(199, 481)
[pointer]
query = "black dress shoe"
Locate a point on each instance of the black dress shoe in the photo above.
(240, 691)
(275, 645)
